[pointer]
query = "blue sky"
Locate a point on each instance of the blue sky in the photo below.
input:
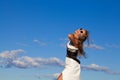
(33, 35)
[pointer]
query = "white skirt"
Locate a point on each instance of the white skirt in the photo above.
(72, 70)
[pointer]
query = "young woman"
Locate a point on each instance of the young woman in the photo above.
(74, 49)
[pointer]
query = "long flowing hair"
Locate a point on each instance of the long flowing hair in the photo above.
(81, 41)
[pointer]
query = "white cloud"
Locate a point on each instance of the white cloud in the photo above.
(11, 54)
(53, 76)
(113, 45)
(48, 76)
(12, 59)
(90, 45)
(94, 46)
(95, 67)
(22, 44)
(39, 42)
(27, 62)
(7, 57)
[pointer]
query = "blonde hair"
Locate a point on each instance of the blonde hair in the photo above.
(81, 40)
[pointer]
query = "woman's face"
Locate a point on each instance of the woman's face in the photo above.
(80, 33)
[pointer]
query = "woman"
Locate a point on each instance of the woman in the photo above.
(74, 49)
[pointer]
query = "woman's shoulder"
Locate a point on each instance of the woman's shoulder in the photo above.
(70, 46)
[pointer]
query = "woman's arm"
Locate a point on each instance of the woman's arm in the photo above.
(73, 39)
